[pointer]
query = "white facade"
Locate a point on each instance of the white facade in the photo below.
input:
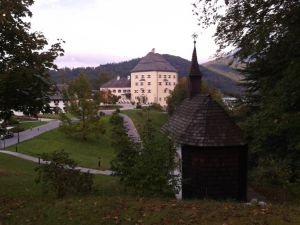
(119, 89)
(152, 86)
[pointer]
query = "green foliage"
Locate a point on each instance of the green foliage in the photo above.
(180, 93)
(270, 171)
(83, 106)
(146, 169)
(25, 84)
(60, 175)
(266, 37)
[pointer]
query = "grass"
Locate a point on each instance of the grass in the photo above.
(25, 125)
(86, 153)
(22, 202)
(140, 116)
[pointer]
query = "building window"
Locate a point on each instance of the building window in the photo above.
(170, 83)
(124, 91)
(142, 83)
(174, 83)
(136, 91)
(136, 76)
(148, 76)
(149, 91)
(169, 76)
(165, 76)
(174, 76)
(128, 91)
(114, 91)
(166, 83)
(166, 90)
(143, 91)
(159, 76)
(119, 91)
(149, 83)
(143, 76)
(159, 83)
(159, 99)
(136, 84)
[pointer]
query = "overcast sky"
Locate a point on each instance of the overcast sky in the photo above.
(105, 31)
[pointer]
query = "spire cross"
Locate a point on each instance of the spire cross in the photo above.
(194, 36)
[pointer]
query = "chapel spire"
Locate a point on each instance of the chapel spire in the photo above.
(195, 75)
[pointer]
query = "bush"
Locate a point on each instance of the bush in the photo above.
(116, 119)
(60, 175)
(156, 106)
(146, 169)
(138, 106)
(271, 171)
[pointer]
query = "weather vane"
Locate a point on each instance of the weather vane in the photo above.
(194, 36)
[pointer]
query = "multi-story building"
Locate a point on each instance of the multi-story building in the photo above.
(120, 86)
(152, 80)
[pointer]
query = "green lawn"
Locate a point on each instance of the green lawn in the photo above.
(22, 202)
(30, 124)
(140, 116)
(86, 153)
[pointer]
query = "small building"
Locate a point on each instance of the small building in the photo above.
(152, 80)
(120, 87)
(214, 154)
(58, 101)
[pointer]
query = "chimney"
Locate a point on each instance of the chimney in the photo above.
(128, 77)
(195, 76)
(153, 50)
(118, 77)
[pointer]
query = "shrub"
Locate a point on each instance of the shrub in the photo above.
(60, 175)
(146, 169)
(156, 106)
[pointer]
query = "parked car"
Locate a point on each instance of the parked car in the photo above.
(5, 134)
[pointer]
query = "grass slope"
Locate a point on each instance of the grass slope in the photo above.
(86, 153)
(21, 202)
(25, 125)
(140, 116)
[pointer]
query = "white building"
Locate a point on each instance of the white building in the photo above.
(152, 80)
(120, 87)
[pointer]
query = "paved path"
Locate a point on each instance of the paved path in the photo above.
(52, 124)
(30, 133)
(37, 160)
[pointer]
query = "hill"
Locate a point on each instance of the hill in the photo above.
(217, 73)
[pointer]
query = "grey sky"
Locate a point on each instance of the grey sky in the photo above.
(103, 31)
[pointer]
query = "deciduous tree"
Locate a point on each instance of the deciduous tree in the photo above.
(25, 59)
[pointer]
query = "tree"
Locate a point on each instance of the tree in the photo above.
(180, 93)
(83, 106)
(60, 175)
(25, 84)
(101, 79)
(265, 35)
(147, 168)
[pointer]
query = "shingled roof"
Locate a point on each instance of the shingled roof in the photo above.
(200, 121)
(122, 82)
(153, 62)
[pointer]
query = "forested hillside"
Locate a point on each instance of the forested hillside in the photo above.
(221, 78)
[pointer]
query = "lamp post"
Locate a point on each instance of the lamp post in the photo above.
(18, 137)
(1, 136)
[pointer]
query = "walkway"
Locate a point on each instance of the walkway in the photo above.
(30, 133)
(40, 161)
(52, 124)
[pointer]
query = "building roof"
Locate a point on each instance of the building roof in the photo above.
(153, 62)
(119, 82)
(200, 121)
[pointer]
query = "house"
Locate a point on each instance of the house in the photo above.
(212, 150)
(58, 101)
(152, 80)
(120, 87)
